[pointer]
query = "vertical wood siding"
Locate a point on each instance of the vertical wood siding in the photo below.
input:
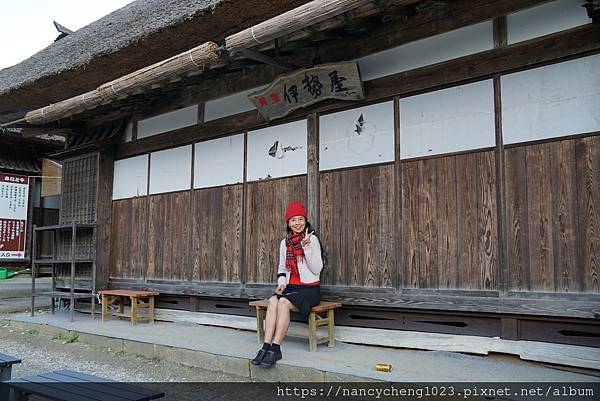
(449, 222)
(552, 197)
(168, 236)
(357, 226)
(129, 238)
(266, 203)
(216, 234)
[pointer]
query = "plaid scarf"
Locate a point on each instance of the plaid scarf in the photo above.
(294, 249)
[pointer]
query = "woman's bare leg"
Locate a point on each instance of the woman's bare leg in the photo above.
(271, 319)
(283, 319)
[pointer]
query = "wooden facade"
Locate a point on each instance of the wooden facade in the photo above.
(492, 241)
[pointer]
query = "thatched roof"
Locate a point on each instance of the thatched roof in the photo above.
(132, 37)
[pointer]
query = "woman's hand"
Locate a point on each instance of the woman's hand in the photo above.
(306, 239)
(281, 284)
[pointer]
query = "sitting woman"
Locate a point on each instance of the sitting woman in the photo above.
(300, 264)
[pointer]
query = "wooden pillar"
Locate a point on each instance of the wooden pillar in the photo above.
(104, 216)
(312, 187)
(397, 278)
(500, 40)
(29, 253)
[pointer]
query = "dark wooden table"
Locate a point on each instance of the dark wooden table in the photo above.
(66, 385)
(6, 362)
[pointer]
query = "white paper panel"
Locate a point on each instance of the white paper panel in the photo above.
(219, 162)
(552, 101)
(448, 120)
(288, 144)
(128, 136)
(229, 105)
(130, 177)
(168, 121)
(545, 19)
(171, 170)
(357, 137)
(443, 47)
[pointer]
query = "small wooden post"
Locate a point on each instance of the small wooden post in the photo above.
(104, 307)
(133, 310)
(331, 342)
(151, 309)
(312, 332)
(260, 319)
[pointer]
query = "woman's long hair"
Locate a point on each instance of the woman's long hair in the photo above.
(310, 230)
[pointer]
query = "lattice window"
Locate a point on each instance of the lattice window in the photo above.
(79, 190)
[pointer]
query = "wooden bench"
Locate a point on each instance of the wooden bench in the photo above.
(139, 300)
(6, 362)
(66, 385)
(314, 321)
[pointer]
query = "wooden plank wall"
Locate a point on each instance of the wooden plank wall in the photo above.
(266, 203)
(553, 198)
(357, 226)
(201, 241)
(129, 238)
(169, 233)
(216, 234)
(449, 223)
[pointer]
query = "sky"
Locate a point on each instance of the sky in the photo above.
(26, 25)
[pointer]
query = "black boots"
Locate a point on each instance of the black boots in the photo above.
(261, 354)
(259, 357)
(270, 358)
(267, 356)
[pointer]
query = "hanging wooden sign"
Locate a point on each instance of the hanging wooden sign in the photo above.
(305, 87)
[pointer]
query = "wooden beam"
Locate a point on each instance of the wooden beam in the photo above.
(197, 58)
(292, 21)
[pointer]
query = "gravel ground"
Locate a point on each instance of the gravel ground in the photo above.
(42, 353)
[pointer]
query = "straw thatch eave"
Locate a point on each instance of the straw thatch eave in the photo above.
(33, 84)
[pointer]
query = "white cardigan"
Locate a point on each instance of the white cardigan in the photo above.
(309, 267)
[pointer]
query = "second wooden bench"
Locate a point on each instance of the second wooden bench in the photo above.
(315, 320)
(139, 300)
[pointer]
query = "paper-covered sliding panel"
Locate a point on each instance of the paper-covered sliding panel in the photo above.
(168, 121)
(449, 120)
(278, 151)
(219, 162)
(357, 137)
(171, 170)
(552, 101)
(130, 177)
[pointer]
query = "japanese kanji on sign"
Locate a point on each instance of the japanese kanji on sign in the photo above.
(305, 87)
(14, 193)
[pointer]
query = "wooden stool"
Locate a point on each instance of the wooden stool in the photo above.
(139, 300)
(314, 321)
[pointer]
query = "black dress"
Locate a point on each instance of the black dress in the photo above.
(303, 297)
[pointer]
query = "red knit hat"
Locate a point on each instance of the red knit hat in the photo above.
(295, 209)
